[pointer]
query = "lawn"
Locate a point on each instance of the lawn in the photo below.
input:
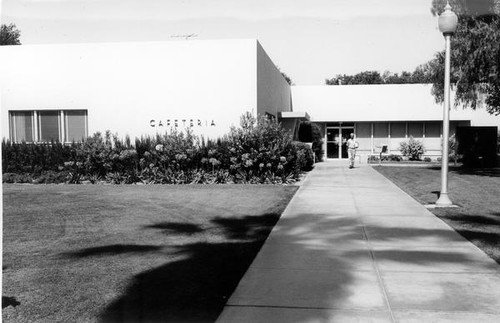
(477, 193)
(114, 253)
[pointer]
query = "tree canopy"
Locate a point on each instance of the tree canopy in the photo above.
(9, 35)
(420, 75)
(475, 55)
(475, 58)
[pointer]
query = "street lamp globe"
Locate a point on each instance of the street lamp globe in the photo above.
(448, 21)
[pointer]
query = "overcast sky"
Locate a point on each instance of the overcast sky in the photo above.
(310, 40)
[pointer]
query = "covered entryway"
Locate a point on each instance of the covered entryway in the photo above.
(336, 140)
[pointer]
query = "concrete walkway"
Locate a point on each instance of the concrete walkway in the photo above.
(353, 247)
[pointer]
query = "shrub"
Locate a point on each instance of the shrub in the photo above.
(259, 151)
(391, 157)
(453, 149)
(17, 178)
(311, 132)
(413, 149)
(427, 159)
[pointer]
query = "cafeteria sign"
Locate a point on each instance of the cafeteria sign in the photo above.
(181, 123)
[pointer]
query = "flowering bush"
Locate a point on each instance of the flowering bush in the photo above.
(260, 151)
(413, 149)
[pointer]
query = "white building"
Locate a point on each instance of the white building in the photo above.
(66, 92)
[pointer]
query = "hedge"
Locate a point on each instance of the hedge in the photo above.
(259, 151)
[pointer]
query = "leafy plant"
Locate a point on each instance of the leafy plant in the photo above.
(413, 149)
(259, 151)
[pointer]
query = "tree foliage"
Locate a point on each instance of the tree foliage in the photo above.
(9, 35)
(288, 79)
(475, 55)
(420, 75)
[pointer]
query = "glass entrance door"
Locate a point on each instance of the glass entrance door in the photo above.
(332, 143)
(336, 141)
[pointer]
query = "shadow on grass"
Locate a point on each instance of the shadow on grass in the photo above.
(111, 250)
(491, 172)
(176, 228)
(9, 301)
(461, 170)
(474, 219)
(195, 288)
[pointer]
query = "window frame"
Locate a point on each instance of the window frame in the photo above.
(62, 122)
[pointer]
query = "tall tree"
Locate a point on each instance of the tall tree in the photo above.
(9, 35)
(475, 55)
(420, 75)
(288, 79)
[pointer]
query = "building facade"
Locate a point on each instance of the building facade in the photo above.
(67, 92)
(381, 115)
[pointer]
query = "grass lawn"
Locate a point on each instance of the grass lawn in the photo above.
(476, 192)
(113, 253)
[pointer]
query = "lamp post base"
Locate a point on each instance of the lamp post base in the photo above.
(443, 200)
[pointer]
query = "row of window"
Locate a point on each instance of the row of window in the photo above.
(48, 125)
(399, 129)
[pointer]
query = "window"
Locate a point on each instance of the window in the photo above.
(398, 129)
(48, 125)
(432, 129)
(21, 126)
(75, 125)
(363, 130)
(380, 130)
(416, 129)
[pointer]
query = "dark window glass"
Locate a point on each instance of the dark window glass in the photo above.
(416, 129)
(21, 123)
(75, 125)
(380, 130)
(398, 129)
(363, 130)
(49, 125)
(432, 129)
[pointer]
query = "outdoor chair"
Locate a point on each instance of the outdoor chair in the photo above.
(383, 151)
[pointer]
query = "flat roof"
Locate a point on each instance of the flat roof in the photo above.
(381, 102)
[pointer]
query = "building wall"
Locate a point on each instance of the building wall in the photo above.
(371, 136)
(390, 103)
(126, 85)
(386, 114)
(273, 91)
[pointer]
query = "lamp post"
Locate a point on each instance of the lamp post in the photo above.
(448, 22)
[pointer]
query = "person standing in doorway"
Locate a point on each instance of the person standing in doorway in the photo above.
(352, 145)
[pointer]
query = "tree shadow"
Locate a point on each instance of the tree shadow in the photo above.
(176, 228)
(191, 290)
(196, 288)
(437, 193)
(111, 250)
(474, 219)
(490, 172)
(9, 301)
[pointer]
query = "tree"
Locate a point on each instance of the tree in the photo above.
(366, 77)
(420, 75)
(475, 55)
(288, 79)
(9, 35)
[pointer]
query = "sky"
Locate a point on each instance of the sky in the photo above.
(309, 40)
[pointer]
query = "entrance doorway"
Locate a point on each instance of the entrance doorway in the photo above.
(336, 141)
